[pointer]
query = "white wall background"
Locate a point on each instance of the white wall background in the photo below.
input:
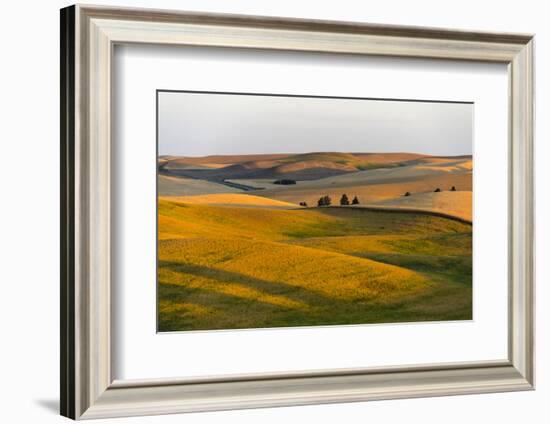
(29, 208)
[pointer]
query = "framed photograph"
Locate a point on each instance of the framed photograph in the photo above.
(274, 219)
(265, 212)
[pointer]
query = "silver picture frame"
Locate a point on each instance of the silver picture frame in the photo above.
(88, 389)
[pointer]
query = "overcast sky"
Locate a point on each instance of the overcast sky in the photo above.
(196, 124)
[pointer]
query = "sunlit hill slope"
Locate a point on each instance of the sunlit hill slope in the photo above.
(227, 266)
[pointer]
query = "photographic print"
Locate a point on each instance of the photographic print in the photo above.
(284, 210)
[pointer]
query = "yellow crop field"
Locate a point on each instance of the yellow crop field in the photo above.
(454, 203)
(235, 199)
(223, 266)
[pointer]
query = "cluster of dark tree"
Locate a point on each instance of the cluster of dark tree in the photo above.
(324, 201)
(437, 190)
(344, 201)
(285, 181)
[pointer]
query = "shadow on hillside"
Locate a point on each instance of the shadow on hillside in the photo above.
(290, 291)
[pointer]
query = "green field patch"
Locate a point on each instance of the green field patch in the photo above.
(227, 267)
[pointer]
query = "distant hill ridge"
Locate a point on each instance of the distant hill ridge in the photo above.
(299, 166)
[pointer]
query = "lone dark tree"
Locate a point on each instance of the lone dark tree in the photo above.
(344, 201)
(321, 201)
(408, 193)
(304, 204)
(437, 190)
(355, 201)
(453, 188)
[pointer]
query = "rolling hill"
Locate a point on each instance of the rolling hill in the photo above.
(252, 267)
(377, 179)
(453, 203)
(233, 199)
(181, 186)
(368, 193)
(304, 166)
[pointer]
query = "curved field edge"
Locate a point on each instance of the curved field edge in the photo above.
(231, 199)
(226, 267)
(416, 210)
(446, 203)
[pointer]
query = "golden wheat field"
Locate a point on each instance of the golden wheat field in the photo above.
(227, 261)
